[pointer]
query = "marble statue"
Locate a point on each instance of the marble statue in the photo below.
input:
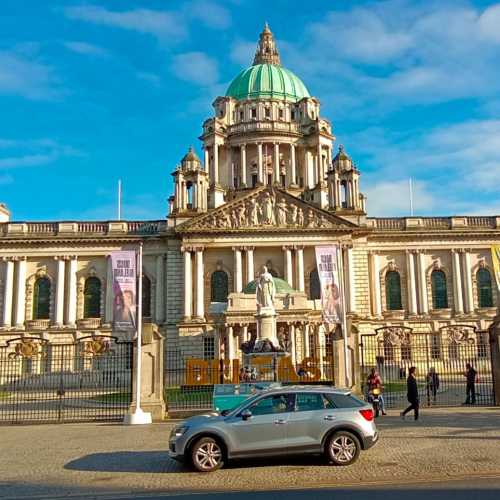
(265, 290)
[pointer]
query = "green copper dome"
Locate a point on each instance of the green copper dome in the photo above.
(280, 285)
(267, 81)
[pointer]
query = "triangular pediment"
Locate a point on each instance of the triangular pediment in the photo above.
(266, 209)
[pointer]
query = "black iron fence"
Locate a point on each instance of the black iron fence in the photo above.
(89, 380)
(440, 359)
(189, 381)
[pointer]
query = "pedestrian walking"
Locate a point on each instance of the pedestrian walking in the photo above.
(432, 385)
(471, 377)
(412, 394)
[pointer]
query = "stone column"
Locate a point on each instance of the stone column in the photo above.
(231, 354)
(250, 268)
(61, 275)
(305, 340)
(422, 284)
(300, 268)
(375, 278)
(320, 174)
(238, 271)
(216, 163)
(288, 265)
(293, 166)
(411, 284)
(160, 277)
(260, 167)
(207, 159)
(469, 296)
(293, 345)
(243, 153)
(276, 162)
(200, 285)
(8, 291)
(108, 318)
(457, 282)
(21, 292)
(351, 284)
(71, 300)
(245, 333)
(188, 286)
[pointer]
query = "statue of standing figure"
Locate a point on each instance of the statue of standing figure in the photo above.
(265, 290)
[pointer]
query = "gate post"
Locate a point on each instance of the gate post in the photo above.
(152, 399)
(494, 332)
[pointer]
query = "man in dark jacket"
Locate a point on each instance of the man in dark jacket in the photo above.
(471, 376)
(411, 384)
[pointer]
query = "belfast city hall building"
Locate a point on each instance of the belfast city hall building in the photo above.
(269, 188)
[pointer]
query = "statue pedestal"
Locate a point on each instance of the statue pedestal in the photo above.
(266, 325)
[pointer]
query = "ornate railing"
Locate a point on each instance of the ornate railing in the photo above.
(433, 223)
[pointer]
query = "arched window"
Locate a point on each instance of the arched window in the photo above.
(484, 293)
(393, 291)
(92, 298)
(41, 299)
(219, 286)
(439, 291)
(146, 297)
(314, 285)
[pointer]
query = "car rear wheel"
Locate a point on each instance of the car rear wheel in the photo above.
(207, 455)
(343, 448)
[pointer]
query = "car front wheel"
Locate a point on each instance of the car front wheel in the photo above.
(343, 448)
(207, 455)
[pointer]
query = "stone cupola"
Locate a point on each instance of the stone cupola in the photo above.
(267, 52)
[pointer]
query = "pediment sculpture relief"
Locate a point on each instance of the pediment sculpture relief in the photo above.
(266, 209)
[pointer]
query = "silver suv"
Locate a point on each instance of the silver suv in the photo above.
(280, 421)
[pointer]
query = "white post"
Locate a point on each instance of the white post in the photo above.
(412, 289)
(139, 416)
(457, 282)
(344, 318)
(8, 292)
(21, 292)
(250, 268)
(300, 269)
(200, 299)
(61, 273)
(72, 291)
(288, 265)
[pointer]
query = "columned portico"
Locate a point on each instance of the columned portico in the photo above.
(8, 291)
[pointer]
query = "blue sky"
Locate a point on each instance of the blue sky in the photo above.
(91, 92)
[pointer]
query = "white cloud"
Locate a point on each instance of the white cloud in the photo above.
(26, 161)
(87, 49)
(161, 24)
(209, 13)
(242, 52)
(26, 77)
(489, 23)
(196, 67)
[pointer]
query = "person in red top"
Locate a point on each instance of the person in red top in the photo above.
(374, 381)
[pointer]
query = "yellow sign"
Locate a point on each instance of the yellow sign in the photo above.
(495, 256)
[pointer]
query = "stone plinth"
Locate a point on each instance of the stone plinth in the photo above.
(266, 325)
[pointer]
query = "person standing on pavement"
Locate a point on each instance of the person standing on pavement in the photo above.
(412, 388)
(471, 376)
(432, 385)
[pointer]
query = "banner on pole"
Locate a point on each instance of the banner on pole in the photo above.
(124, 290)
(495, 257)
(329, 279)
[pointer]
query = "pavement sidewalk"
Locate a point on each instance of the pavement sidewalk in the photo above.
(83, 459)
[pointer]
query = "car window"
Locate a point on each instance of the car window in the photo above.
(344, 400)
(312, 401)
(276, 403)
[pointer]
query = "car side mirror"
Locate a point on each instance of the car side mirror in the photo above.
(246, 414)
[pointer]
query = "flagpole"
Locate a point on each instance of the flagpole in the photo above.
(139, 416)
(340, 261)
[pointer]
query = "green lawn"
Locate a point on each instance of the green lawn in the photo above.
(189, 396)
(113, 397)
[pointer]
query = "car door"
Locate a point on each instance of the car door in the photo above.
(306, 425)
(265, 431)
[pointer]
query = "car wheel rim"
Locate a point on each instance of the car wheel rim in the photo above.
(208, 455)
(343, 449)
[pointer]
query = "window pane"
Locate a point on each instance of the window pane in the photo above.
(314, 285)
(485, 296)
(41, 299)
(345, 401)
(219, 286)
(92, 298)
(439, 291)
(311, 402)
(279, 403)
(393, 291)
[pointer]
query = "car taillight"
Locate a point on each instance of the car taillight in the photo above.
(367, 414)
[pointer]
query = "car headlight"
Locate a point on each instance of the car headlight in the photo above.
(179, 431)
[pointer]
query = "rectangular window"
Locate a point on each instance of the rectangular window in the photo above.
(208, 348)
(268, 112)
(293, 114)
(281, 113)
(312, 402)
(241, 115)
(254, 180)
(344, 401)
(482, 345)
(435, 346)
(254, 113)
